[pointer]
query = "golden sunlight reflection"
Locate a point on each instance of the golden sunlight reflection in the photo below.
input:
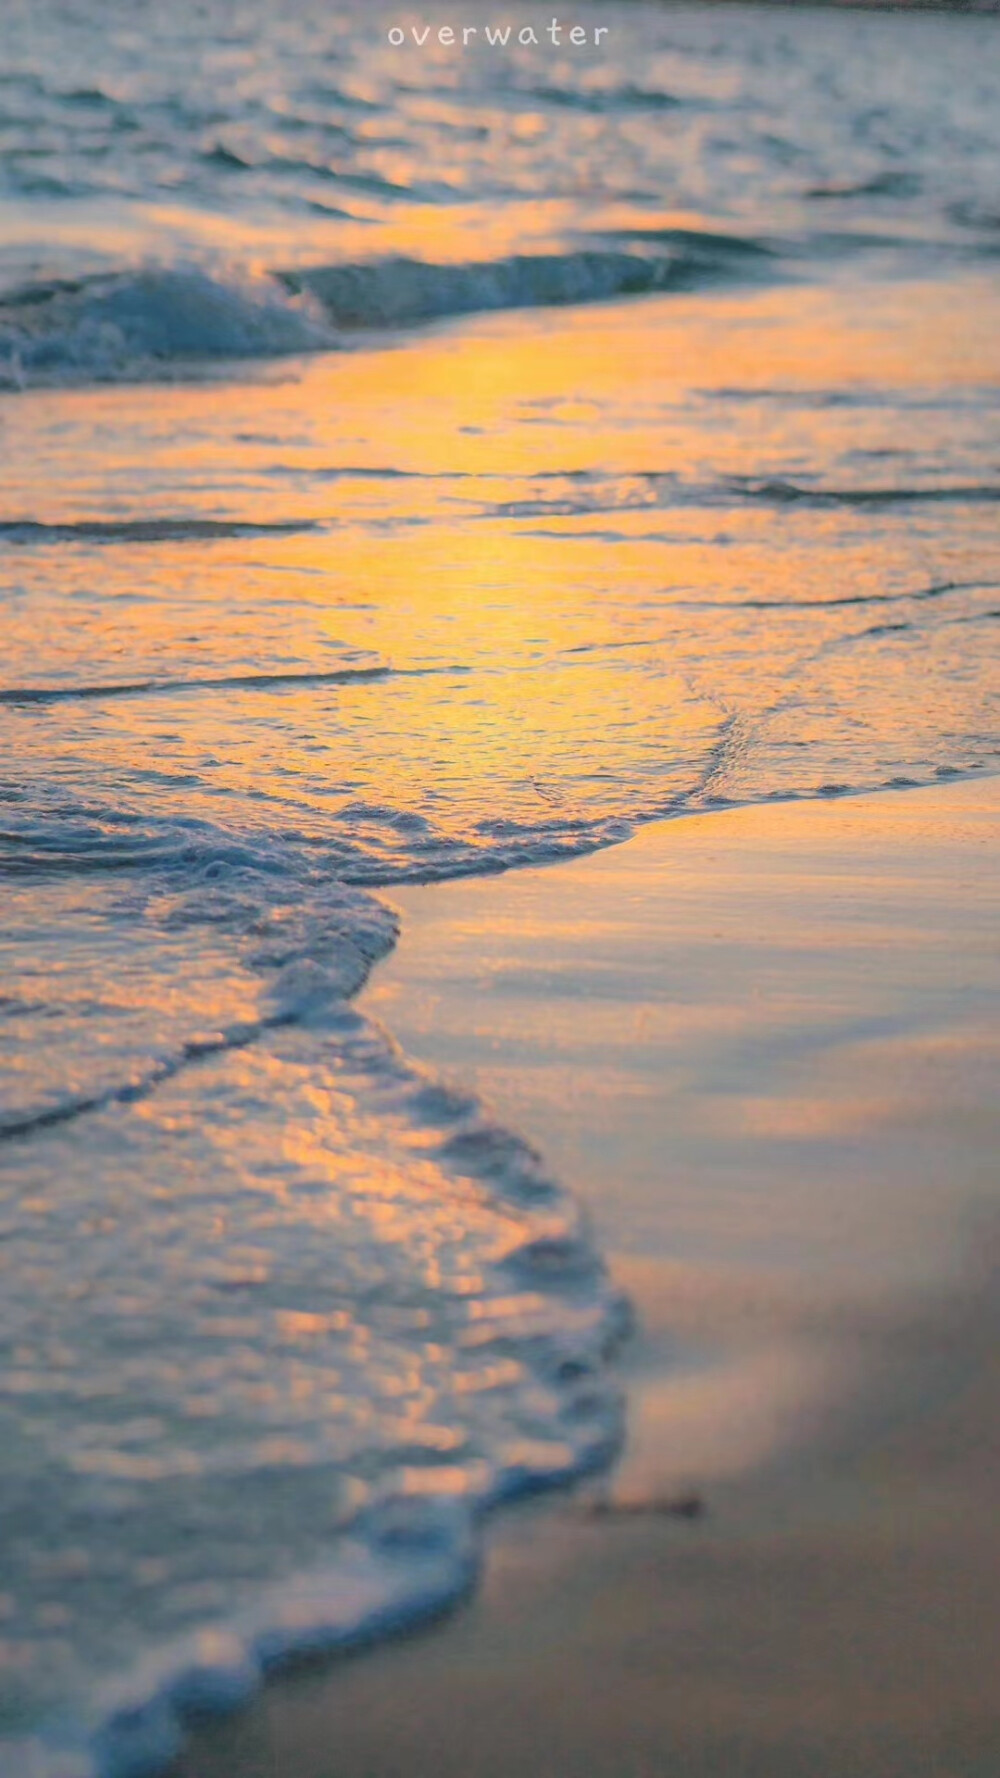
(521, 567)
(417, 470)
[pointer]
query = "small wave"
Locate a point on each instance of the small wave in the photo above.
(970, 214)
(339, 472)
(400, 292)
(89, 96)
(702, 244)
(893, 183)
(776, 492)
(131, 324)
(937, 590)
(977, 617)
(879, 630)
(338, 95)
(650, 490)
(138, 324)
(872, 633)
(228, 159)
(602, 100)
(857, 396)
(144, 530)
(133, 688)
(28, 183)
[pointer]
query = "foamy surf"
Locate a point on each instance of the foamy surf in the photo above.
(326, 1316)
(137, 324)
(134, 325)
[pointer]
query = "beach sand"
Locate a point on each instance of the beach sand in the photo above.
(761, 1047)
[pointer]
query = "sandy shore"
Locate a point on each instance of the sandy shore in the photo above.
(762, 1046)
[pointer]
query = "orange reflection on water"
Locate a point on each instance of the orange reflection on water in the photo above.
(534, 528)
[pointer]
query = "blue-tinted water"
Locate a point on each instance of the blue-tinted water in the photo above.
(416, 462)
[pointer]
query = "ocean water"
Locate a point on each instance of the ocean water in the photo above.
(415, 461)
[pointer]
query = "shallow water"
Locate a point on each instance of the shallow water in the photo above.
(310, 587)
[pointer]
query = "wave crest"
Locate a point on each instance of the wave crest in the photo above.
(129, 325)
(136, 325)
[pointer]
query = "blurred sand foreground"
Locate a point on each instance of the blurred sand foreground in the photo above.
(761, 1045)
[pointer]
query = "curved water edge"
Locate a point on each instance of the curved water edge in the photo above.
(482, 1253)
(405, 1557)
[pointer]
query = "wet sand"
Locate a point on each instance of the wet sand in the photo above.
(762, 1047)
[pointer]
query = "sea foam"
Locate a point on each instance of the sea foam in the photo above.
(326, 1314)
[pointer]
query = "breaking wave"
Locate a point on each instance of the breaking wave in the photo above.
(134, 324)
(154, 321)
(326, 1316)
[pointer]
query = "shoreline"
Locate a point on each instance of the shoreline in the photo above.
(829, 1440)
(751, 928)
